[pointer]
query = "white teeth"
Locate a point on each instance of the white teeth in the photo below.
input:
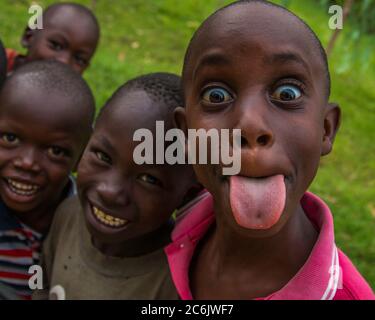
(108, 220)
(22, 188)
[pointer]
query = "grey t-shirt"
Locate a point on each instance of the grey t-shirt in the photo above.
(74, 269)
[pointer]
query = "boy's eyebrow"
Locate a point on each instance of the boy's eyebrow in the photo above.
(106, 143)
(283, 57)
(211, 59)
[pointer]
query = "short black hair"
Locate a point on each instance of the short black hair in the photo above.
(314, 37)
(76, 6)
(56, 77)
(161, 87)
(3, 64)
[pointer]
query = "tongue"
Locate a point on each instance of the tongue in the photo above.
(257, 203)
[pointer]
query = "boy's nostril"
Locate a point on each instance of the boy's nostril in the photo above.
(263, 140)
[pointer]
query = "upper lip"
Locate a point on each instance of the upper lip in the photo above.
(23, 181)
(259, 174)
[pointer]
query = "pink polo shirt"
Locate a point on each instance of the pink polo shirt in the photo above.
(326, 275)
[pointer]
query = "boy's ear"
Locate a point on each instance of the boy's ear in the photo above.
(179, 119)
(27, 37)
(75, 168)
(332, 121)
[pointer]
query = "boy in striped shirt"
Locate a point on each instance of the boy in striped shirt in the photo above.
(46, 113)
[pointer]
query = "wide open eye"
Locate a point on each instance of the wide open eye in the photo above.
(286, 93)
(216, 95)
(9, 138)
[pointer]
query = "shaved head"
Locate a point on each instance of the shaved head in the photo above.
(58, 91)
(162, 88)
(261, 17)
(73, 9)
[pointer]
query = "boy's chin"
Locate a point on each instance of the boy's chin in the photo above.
(20, 207)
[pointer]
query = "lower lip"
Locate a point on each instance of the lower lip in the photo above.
(100, 226)
(16, 197)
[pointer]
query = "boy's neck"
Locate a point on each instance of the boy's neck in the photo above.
(39, 220)
(268, 263)
(297, 238)
(140, 246)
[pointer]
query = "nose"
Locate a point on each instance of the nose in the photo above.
(64, 57)
(256, 131)
(28, 160)
(113, 192)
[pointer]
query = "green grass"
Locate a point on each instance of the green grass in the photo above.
(141, 36)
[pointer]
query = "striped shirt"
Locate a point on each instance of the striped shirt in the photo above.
(20, 248)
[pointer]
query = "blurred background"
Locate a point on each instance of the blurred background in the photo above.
(141, 36)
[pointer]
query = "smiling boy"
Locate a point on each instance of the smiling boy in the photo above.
(70, 35)
(257, 67)
(108, 243)
(46, 112)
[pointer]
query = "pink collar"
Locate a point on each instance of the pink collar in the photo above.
(318, 279)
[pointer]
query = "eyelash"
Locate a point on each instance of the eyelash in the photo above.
(157, 183)
(288, 81)
(64, 152)
(211, 86)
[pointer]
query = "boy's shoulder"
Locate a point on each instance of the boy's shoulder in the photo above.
(353, 286)
(316, 276)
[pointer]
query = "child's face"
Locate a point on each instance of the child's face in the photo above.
(122, 200)
(259, 73)
(39, 145)
(66, 37)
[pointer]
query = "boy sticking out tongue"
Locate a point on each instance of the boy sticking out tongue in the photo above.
(257, 67)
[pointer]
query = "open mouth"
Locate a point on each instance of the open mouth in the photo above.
(107, 219)
(21, 188)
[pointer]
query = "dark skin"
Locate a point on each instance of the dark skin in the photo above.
(67, 36)
(41, 140)
(270, 83)
(109, 179)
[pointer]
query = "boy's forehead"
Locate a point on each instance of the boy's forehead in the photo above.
(134, 110)
(32, 103)
(72, 20)
(254, 30)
